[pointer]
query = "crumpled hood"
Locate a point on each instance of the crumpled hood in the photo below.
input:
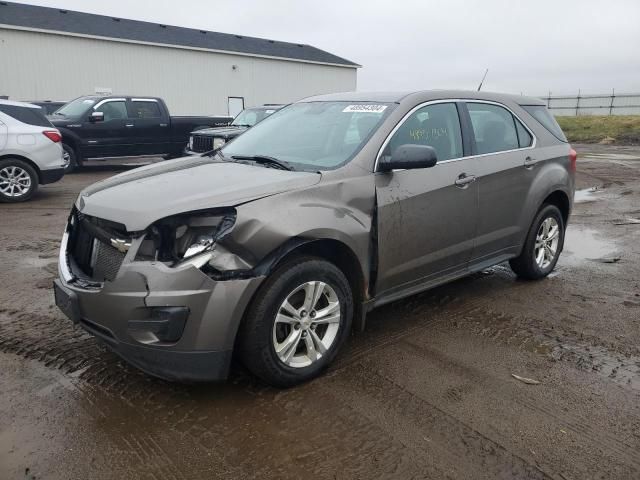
(221, 132)
(140, 197)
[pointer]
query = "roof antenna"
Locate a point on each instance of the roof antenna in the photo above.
(483, 77)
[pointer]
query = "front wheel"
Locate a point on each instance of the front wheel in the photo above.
(18, 180)
(70, 158)
(542, 246)
(297, 323)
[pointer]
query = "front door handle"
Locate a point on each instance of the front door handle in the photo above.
(529, 162)
(129, 125)
(464, 180)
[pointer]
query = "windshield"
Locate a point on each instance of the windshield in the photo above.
(315, 135)
(76, 107)
(250, 117)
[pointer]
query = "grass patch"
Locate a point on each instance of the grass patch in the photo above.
(614, 129)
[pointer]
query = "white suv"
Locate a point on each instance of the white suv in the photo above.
(30, 151)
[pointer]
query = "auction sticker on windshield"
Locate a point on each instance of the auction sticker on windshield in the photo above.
(364, 109)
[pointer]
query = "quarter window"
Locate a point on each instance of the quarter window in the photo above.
(437, 126)
(144, 109)
(524, 137)
(494, 128)
(115, 110)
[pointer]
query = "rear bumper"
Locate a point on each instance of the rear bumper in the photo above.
(52, 175)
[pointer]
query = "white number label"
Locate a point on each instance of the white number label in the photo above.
(364, 109)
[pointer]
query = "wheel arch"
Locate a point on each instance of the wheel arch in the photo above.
(561, 200)
(30, 162)
(329, 249)
(334, 251)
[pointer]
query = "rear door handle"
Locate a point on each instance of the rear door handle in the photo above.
(464, 180)
(529, 162)
(129, 125)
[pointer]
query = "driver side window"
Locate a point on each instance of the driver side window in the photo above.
(116, 110)
(437, 126)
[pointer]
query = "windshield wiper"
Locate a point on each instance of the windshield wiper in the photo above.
(241, 125)
(265, 159)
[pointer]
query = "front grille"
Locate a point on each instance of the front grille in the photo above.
(95, 258)
(202, 143)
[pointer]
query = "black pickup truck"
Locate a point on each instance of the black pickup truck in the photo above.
(124, 126)
(208, 139)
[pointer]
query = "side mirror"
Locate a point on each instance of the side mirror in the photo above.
(409, 157)
(96, 117)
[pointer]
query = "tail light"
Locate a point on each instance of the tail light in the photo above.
(573, 157)
(53, 135)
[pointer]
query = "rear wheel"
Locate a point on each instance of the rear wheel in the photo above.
(18, 180)
(543, 245)
(297, 323)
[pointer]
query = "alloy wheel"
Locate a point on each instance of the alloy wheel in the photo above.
(307, 324)
(14, 181)
(547, 240)
(66, 157)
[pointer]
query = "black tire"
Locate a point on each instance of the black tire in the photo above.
(73, 158)
(7, 163)
(526, 266)
(255, 340)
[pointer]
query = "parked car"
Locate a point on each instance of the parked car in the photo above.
(276, 244)
(123, 126)
(207, 139)
(30, 151)
(48, 106)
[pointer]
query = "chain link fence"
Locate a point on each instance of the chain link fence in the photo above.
(602, 104)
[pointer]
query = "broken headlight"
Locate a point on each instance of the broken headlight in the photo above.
(188, 238)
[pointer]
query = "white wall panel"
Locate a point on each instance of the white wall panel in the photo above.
(42, 66)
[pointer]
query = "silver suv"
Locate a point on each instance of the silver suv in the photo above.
(277, 245)
(30, 151)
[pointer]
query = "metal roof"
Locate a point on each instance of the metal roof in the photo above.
(21, 16)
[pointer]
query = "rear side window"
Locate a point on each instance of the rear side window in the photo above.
(542, 115)
(494, 128)
(437, 126)
(143, 109)
(30, 116)
(524, 137)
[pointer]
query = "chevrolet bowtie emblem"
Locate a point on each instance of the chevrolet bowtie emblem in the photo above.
(120, 245)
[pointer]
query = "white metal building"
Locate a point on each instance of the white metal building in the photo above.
(54, 54)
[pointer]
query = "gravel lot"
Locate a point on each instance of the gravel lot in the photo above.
(425, 392)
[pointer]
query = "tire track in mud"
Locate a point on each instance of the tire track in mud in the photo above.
(454, 446)
(585, 352)
(448, 303)
(495, 390)
(382, 449)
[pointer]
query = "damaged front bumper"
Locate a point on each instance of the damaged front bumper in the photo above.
(174, 323)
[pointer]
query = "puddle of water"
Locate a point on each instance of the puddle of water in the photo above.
(621, 369)
(583, 244)
(613, 156)
(585, 195)
(37, 262)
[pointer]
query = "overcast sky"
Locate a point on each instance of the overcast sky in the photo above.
(531, 47)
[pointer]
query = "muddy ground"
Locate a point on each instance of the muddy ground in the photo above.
(426, 392)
